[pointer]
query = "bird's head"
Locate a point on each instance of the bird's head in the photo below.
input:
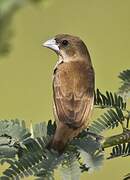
(67, 46)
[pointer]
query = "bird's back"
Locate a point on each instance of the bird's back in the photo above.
(73, 88)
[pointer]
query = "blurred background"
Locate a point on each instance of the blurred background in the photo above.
(26, 67)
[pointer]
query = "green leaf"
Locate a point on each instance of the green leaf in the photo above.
(122, 150)
(109, 100)
(71, 170)
(37, 161)
(13, 133)
(39, 130)
(127, 177)
(70, 167)
(110, 119)
(90, 150)
(125, 80)
(51, 127)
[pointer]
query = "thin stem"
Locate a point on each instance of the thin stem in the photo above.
(117, 139)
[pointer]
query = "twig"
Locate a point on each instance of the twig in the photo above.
(117, 139)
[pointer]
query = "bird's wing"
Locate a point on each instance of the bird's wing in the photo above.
(73, 102)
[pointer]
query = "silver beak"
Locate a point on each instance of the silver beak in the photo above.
(51, 43)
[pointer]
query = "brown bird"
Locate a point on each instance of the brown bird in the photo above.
(73, 88)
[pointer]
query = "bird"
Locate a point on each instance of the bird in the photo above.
(73, 88)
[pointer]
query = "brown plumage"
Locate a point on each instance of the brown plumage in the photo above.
(73, 88)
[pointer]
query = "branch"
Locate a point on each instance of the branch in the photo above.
(117, 139)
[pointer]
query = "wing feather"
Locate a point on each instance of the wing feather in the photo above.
(73, 94)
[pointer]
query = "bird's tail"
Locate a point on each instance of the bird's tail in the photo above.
(62, 136)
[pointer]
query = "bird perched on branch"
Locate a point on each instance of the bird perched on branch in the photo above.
(73, 88)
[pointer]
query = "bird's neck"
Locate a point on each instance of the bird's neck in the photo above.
(76, 57)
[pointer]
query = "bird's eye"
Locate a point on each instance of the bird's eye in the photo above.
(65, 42)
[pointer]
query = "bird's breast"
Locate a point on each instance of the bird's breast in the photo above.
(74, 77)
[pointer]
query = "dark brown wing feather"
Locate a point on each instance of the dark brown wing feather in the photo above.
(73, 88)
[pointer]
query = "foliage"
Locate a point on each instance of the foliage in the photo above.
(127, 177)
(70, 167)
(36, 161)
(33, 158)
(12, 135)
(125, 80)
(108, 100)
(91, 152)
(110, 119)
(25, 150)
(117, 114)
(120, 150)
(8, 9)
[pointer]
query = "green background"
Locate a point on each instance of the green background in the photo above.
(26, 73)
